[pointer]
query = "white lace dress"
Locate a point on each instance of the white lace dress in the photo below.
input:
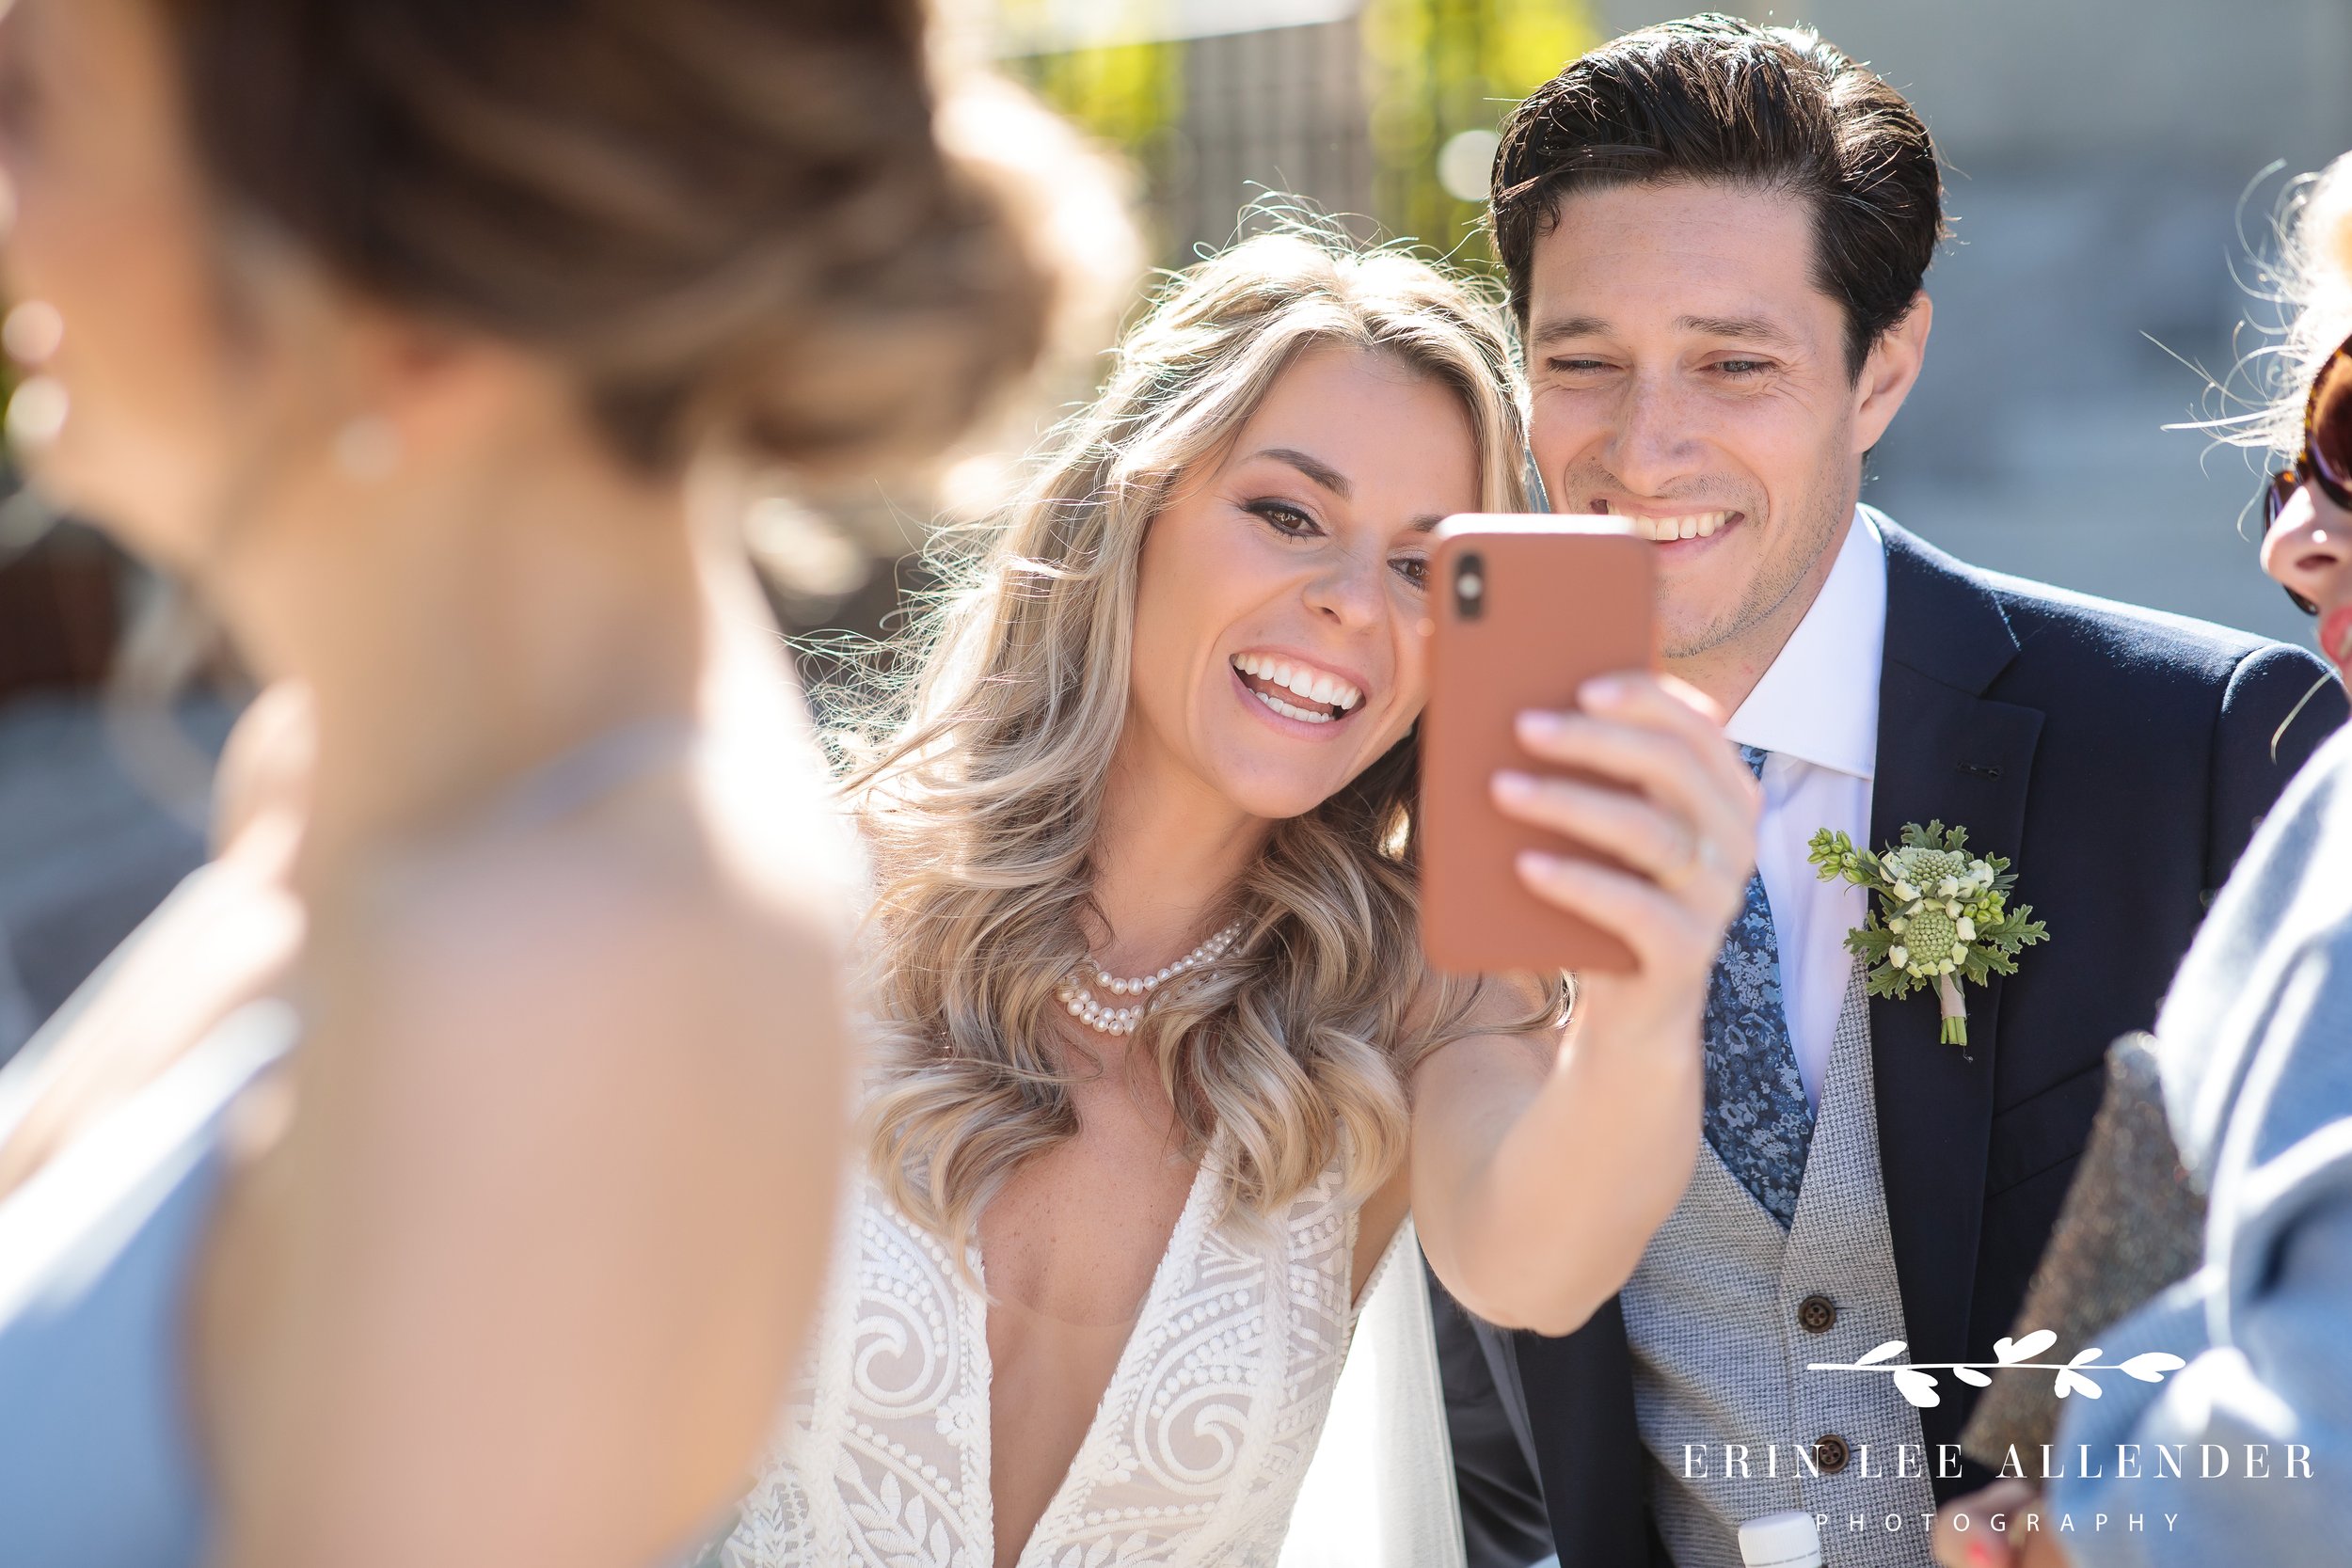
(1196, 1453)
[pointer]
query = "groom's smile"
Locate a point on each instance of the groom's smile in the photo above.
(1689, 525)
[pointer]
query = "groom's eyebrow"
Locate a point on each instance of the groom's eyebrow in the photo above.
(1747, 329)
(1566, 328)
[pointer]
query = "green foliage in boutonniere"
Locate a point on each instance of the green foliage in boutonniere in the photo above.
(1946, 915)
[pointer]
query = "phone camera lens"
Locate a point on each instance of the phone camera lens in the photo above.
(1469, 587)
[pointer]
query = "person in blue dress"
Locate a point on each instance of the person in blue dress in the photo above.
(2239, 1452)
(442, 1175)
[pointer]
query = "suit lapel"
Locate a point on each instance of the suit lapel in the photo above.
(1944, 751)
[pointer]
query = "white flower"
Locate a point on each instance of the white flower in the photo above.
(1942, 913)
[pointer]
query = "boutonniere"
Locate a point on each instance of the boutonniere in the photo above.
(1946, 915)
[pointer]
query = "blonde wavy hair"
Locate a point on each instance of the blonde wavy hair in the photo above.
(2315, 273)
(2299, 273)
(981, 806)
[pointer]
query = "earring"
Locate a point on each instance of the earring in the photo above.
(367, 447)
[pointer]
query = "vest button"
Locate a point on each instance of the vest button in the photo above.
(1829, 1453)
(1816, 1314)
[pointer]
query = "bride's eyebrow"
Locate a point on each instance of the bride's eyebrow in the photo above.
(1314, 468)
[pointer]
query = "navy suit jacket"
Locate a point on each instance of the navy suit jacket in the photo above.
(2121, 758)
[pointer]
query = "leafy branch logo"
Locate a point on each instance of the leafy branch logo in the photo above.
(1917, 1382)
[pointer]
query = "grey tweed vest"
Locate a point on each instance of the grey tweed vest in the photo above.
(1725, 1312)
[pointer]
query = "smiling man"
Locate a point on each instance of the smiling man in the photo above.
(1716, 236)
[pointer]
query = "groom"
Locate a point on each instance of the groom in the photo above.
(1715, 235)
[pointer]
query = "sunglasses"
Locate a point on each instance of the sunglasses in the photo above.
(2325, 460)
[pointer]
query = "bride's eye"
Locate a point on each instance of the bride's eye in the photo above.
(1412, 568)
(1284, 519)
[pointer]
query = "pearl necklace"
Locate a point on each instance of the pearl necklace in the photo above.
(1104, 1019)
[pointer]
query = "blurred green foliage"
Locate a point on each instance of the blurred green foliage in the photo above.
(1436, 68)
(1430, 70)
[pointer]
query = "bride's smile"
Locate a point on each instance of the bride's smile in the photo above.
(1297, 687)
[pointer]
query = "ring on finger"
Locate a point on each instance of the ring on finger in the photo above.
(1711, 854)
(1699, 851)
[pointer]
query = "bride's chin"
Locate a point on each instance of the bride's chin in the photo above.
(1275, 795)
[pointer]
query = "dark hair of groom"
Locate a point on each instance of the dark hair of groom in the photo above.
(1713, 98)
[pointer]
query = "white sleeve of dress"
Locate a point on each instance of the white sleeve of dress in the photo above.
(1380, 1493)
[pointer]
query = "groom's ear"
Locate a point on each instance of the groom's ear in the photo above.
(1890, 371)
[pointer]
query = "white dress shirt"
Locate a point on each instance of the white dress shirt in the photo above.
(1816, 712)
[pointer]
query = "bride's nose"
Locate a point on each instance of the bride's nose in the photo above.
(1347, 591)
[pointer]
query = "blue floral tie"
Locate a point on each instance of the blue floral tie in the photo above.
(1757, 1119)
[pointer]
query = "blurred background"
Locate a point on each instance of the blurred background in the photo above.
(2106, 178)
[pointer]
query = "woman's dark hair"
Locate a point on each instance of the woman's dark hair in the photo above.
(1716, 98)
(731, 220)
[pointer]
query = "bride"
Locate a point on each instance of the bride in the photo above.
(1164, 1070)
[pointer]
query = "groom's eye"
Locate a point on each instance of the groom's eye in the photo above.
(1742, 368)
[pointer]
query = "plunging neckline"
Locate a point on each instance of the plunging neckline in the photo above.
(1188, 1221)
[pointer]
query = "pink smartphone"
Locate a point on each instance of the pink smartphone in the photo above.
(1524, 610)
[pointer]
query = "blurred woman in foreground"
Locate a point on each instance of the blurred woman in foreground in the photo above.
(441, 1177)
(2258, 1091)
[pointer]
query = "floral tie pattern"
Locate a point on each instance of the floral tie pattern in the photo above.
(1757, 1119)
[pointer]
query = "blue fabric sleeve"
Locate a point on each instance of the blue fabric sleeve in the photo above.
(2266, 1328)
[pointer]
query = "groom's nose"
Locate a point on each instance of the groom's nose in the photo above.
(1650, 444)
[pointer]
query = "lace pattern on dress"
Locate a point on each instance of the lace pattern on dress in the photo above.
(1195, 1455)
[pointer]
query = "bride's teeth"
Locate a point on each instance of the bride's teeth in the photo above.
(1304, 716)
(1310, 685)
